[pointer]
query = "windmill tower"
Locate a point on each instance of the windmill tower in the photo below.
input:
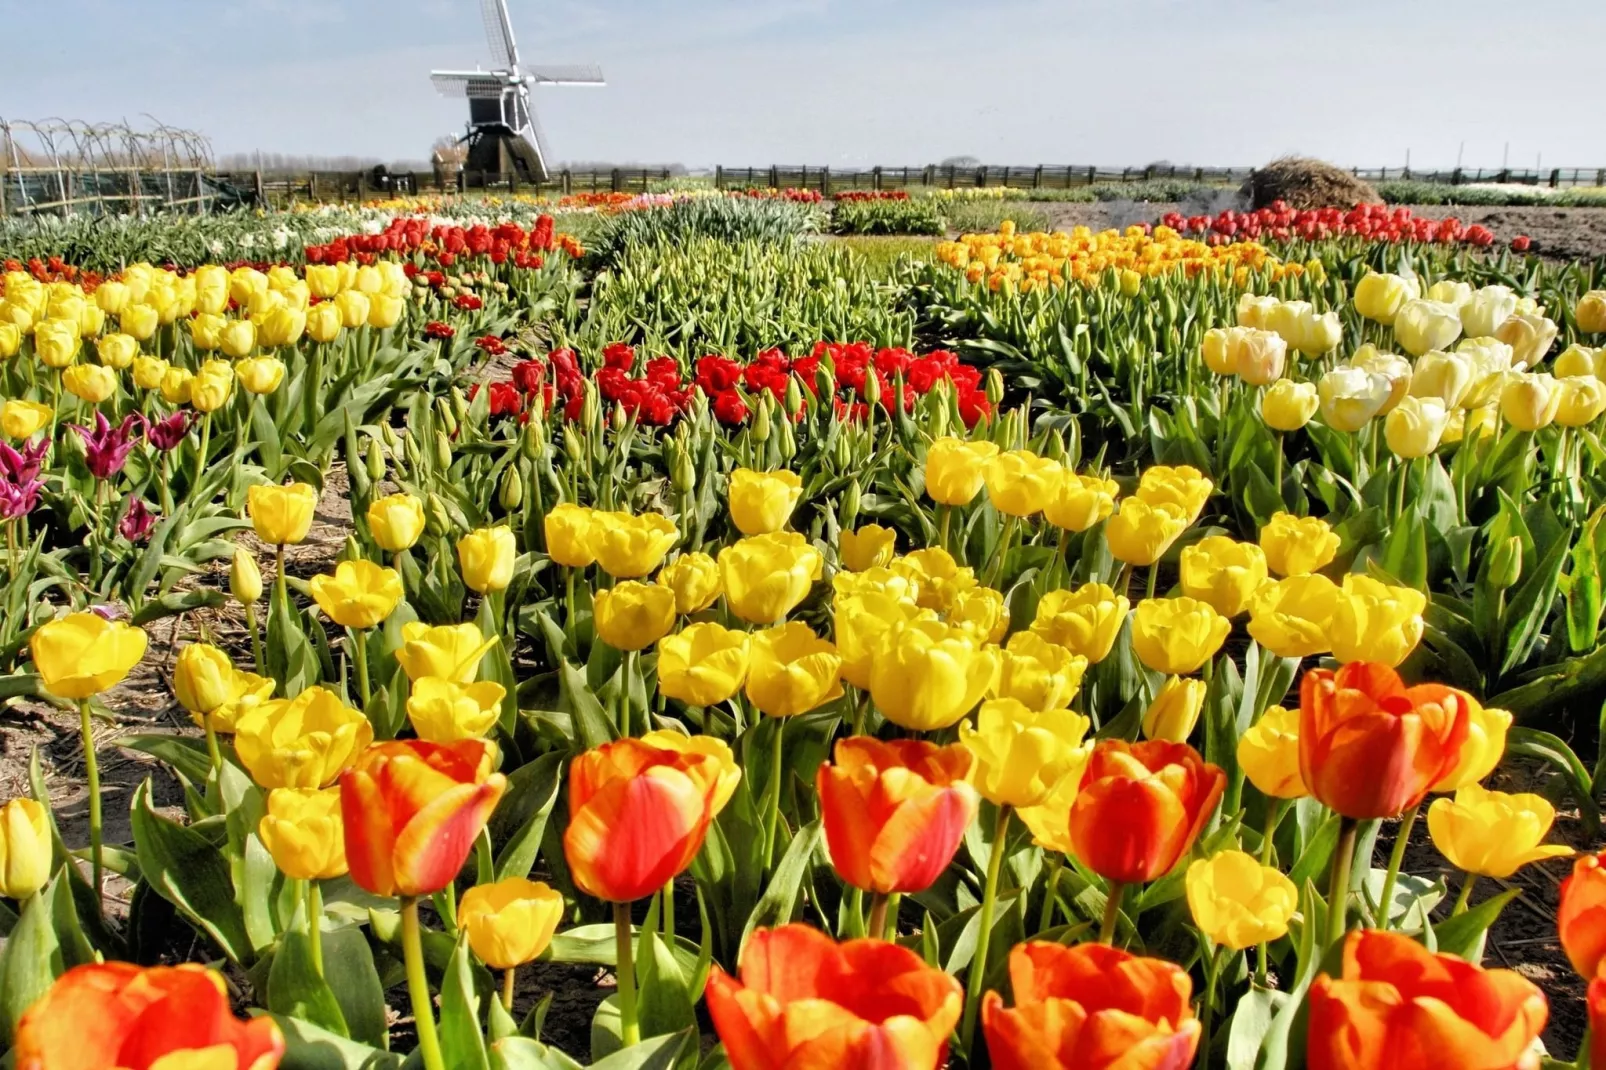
(504, 136)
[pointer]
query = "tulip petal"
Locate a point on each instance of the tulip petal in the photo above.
(433, 846)
(370, 837)
(636, 832)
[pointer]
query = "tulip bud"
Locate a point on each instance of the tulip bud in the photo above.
(619, 418)
(411, 453)
(459, 406)
(512, 493)
(849, 514)
(761, 420)
(788, 442)
(439, 519)
(995, 386)
(376, 461)
(794, 395)
(825, 378)
(1505, 564)
(573, 446)
(443, 451)
(591, 408)
(245, 579)
(392, 440)
(448, 418)
(25, 848)
(682, 473)
(872, 387)
(532, 443)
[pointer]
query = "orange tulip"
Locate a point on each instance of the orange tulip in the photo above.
(1581, 915)
(1371, 747)
(1141, 806)
(1400, 1006)
(637, 815)
(118, 1014)
(412, 811)
(1088, 1007)
(894, 812)
(804, 1000)
(1597, 1021)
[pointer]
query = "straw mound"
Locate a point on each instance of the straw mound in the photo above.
(1306, 183)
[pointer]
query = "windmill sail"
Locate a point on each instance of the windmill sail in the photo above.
(499, 32)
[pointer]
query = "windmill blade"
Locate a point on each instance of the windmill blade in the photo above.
(450, 85)
(499, 32)
(568, 74)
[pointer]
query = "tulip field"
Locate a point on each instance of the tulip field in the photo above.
(488, 635)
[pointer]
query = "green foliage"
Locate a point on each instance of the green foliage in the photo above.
(726, 219)
(887, 217)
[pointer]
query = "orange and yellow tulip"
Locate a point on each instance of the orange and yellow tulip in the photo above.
(1581, 915)
(1141, 807)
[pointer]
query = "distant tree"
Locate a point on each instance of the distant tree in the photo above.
(960, 161)
(448, 153)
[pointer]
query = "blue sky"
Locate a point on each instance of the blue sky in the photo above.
(852, 82)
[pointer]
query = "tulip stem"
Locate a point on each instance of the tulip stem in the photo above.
(1154, 570)
(1277, 468)
(359, 662)
(1112, 912)
(625, 971)
(200, 455)
(92, 775)
(1396, 857)
(989, 902)
(878, 916)
(279, 580)
(946, 512)
(1050, 891)
(256, 638)
(429, 1045)
(1463, 900)
(1338, 887)
(1260, 964)
(315, 924)
(510, 980)
(1399, 493)
(669, 910)
(214, 758)
(773, 824)
(1274, 816)
(995, 570)
(1212, 969)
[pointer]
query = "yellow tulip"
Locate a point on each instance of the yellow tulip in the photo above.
(10, 339)
(304, 742)
(1374, 621)
(1576, 359)
(1268, 753)
(176, 385)
(703, 664)
(1486, 309)
(936, 576)
(93, 383)
(790, 670)
(244, 282)
(305, 833)
(1050, 820)
(1590, 312)
(139, 320)
(353, 308)
(1492, 833)
(247, 691)
(211, 288)
(25, 848)
(633, 615)
(117, 351)
(1022, 754)
(1182, 486)
(325, 322)
(1140, 533)
(1258, 356)
(1445, 376)
(1254, 312)
(111, 297)
(956, 469)
(1450, 292)
(56, 342)
(862, 621)
(1296, 545)
(1176, 636)
(282, 326)
(1529, 335)
(1085, 621)
(1529, 402)
(872, 546)
(1288, 406)
(83, 654)
(1415, 426)
(445, 711)
(213, 384)
(1379, 296)
(766, 576)
(1349, 397)
(510, 922)
(24, 419)
(245, 578)
(695, 580)
(980, 611)
(568, 529)
(1395, 371)
(384, 310)
(260, 375)
(238, 339)
(1422, 325)
(360, 594)
(149, 372)
(203, 678)
(1020, 483)
(1175, 710)
(1293, 617)
(629, 547)
(762, 502)
(1223, 572)
(1482, 750)
(1080, 501)
(486, 557)
(1037, 673)
(396, 521)
(449, 651)
(900, 581)
(1237, 902)
(928, 676)
(1218, 348)
(1583, 397)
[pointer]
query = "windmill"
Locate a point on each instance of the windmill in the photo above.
(504, 136)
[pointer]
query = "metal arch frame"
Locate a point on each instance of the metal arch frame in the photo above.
(68, 147)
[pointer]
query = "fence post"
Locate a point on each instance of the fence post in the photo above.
(981, 176)
(875, 177)
(825, 181)
(775, 177)
(719, 176)
(1037, 177)
(1555, 178)
(262, 201)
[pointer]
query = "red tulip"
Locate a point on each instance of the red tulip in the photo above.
(1597, 1021)
(804, 1001)
(1141, 806)
(1398, 1006)
(1091, 1007)
(412, 811)
(1371, 747)
(894, 812)
(116, 1014)
(1581, 915)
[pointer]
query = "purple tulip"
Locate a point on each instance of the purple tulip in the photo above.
(167, 434)
(18, 498)
(106, 448)
(21, 466)
(137, 520)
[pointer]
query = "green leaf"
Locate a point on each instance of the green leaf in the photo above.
(307, 1047)
(521, 817)
(522, 1053)
(348, 966)
(175, 602)
(185, 754)
(1533, 743)
(29, 962)
(593, 726)
(1250, 1023)
(295, 988)
(462, 1042)
(1464, 934)
(666, 1001)
(497, 666)
(1530, 605)
(187, 870)
(775, 906)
